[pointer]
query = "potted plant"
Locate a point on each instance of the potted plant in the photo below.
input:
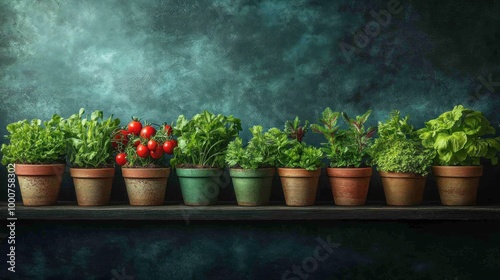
(252, 168)
(299, 165)
(142, 157)
(402, 161)
(347, 151)
(90, 154)
(38, 151)
(460, 140)
(200, 157)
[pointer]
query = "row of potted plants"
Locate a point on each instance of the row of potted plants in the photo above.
(454, 143)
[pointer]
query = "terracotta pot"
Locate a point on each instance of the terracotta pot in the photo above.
(252, 187)
(92, 185)
(457, 185)
(299, 185)
(146, 186)
(349, 185)
(403, 189)
(39, 184)
(200, 186)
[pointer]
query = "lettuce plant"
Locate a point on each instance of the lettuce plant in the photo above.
(345, 147)
(398, 149)
(260, 152)
(35, 142)
(89, 139)
(458, 137)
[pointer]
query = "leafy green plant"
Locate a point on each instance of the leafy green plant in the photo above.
(292, 151)
(458, 137)
(349, 147)
(203, 140)
(35, 142)
(89, 139)
(398, 149)
(260, 152)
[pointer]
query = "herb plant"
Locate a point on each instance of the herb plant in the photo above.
(293, 152)
(260, 152)
(398, 149)
(35, 142)
(349, 147)
(458, 137)
(203, 140)
(89, 139)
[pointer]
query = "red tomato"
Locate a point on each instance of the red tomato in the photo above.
(134, 126)
(157, 153)
(169, 145)
(152, 144)
(121, 136)
(168, 129)
(147, 132)
(142, 151)
(121, 159)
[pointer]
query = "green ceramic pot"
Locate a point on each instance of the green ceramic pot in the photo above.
(200, 186)
(252, 187)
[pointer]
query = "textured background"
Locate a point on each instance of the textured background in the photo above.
(264, 62)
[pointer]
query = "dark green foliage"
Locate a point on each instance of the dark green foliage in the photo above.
(349, 147)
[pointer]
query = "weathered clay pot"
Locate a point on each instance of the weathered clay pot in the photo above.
(403, 189)
(199, 186)
(457, 185)
(299, 185)
(146, 186)
(92, 185)
(349, 185)
(39, 184)
(252, 187)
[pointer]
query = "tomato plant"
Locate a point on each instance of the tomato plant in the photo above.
(134, 126)
(120, 136)
(142, 151)
(152, 144)
(147, 132)
(121, 159)
(168, 146)
(157, 153)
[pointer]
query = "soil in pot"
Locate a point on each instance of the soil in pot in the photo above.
(39, 184)
(299, 185)
(146, 186)
(93, 185)
(200, 186)
(457, 185)
(252, 187)
(403, 189)
(349, 185)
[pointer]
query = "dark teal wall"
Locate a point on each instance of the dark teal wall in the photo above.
(264, 62)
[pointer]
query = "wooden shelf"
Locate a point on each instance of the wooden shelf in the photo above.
(176, 211)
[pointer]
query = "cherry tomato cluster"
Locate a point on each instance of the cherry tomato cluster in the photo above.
(143, 141)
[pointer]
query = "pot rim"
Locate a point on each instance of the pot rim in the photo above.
(349, 172)
(402, 175)
(251, 173)
(146, 172)
(458, 171)
(39, 169)
(298, 172)
(107, 172)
